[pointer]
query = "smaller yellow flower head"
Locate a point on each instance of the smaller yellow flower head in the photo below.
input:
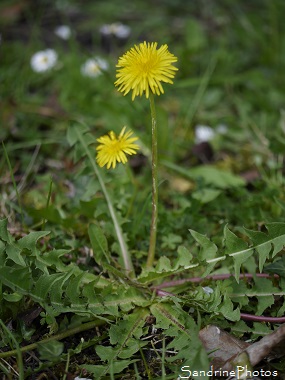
(143, 68)
(113, 149)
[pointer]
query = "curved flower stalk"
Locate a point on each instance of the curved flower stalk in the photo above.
(142, 70)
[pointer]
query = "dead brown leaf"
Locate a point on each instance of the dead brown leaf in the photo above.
(225, 350)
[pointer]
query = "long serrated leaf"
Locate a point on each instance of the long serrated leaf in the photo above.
(182, 327)
(122, 333)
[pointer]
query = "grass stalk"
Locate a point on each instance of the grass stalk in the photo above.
(60, 336)
(13, 180)
(17, 351)
(48, 202)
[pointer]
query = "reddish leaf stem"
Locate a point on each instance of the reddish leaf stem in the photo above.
(171, 284)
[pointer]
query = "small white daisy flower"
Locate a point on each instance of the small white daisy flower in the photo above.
(105, 29)
(43, 60)
(93, 67)
(121, 30)
(203, 133)
(63, 32)
(117, 29)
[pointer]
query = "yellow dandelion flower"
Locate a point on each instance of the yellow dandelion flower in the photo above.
(143, 68)
(113, 149)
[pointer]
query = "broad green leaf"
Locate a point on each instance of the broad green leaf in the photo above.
(73, 292)
(211, 175)
(72, 133)
(206, 195)
(232, 243)
(237, 248)
(29, 241)
(18, 279)
(264, 290)
(166, 315)
(94, 302)
(163, 264)
(56, 293)
(51, 259)
(50, 350)
(43, 285)
(12, 297)
(99, 244)
(4, 234)
(195, 35)
(208, 249)
(14, 254)
(264, 243)
(277, 267)
(276, 230)
(227, 310)
(184, 257)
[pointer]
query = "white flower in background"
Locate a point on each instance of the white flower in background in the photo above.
(43, 60)
(93, 67)
(63, 32)
(118, 29)
(81, 378)
(222, 129)
(121, 30)
(203, 133)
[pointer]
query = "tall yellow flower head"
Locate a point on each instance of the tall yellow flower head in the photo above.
(143, 68)
(113, 149)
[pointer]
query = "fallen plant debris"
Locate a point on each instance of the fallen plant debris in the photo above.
(226, 350)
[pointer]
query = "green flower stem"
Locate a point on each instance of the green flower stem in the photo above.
(60, 336)
(153, 228)
(128, 265)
